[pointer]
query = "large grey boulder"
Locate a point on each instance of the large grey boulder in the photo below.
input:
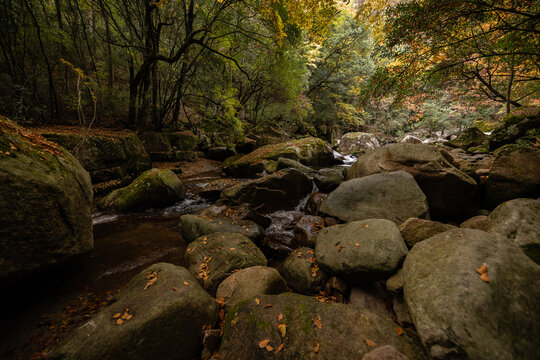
(193, 226)
(415, 230)
(517, 220)
(282, 190)
(328, 180)
(154, 188)
(514, 174)
(361, 251)
(159, 315)
(394, 196)
(308, 151)
(308, 329)
(45, 203)
(460, 316)
(250, 282)
(450, 192)
(106, 155)
(212, 258)
(302, 273)
(357, 142)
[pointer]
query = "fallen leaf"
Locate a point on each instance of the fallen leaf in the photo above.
(317, 322)
(220, 301)
(119, 321)
(317, 347)
(232, 249)
(282, 329)
(125, 316)
(129, 317)
(357, 245)
(257, 301)
(117, 315)
(399, 331)
(268, 306)
(269, 348)
(484, 277)
(150, 282)
(280, 316)
(264, 343)
(482, 269)
(222, 314)
(234, 321)
(369, 342)
(186, 283)
(280, 347)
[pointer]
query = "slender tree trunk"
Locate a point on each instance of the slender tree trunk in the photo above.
(510, 84)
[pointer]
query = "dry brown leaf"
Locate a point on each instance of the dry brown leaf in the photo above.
(282, 329)
(399, 331)
(119, 321)
(369, 342)
(317, 347)
(280, 347)
(317, 321)
(264, 343)
(116, 316)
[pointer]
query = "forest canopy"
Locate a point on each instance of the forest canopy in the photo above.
(230, 68)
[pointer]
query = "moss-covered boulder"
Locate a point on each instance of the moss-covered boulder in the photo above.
(302, 273)
(394, 196)
(159, 315)
(45, 202)
(250, 282)
(513, 175)
(170, 146)
(193, 226)
(519, 123)
(106, 155)
(357, 142)
(282, 190)
(154, 188)
(361, 251)
(309, 151)
(517, 220)
(450, 192)
(214, 257)
(468, 138)
(460, 314)
(308, 329)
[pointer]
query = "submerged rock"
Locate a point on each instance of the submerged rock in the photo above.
(394, 196)
(310, 330)
(459, 315)
(280, 191)
(211, 259)
(250, 282)
(154, 188)
(449, 192)
(309, 151)
(361, 251)
(45, 203)
(159, 315)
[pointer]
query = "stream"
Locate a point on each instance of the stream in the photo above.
(40, 310)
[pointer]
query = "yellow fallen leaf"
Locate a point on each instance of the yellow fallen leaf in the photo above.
(257, 301)
(282, 329)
